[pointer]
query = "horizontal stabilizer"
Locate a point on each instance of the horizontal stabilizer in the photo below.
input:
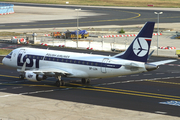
(162, 62)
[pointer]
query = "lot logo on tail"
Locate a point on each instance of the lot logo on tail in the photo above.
(140, 47)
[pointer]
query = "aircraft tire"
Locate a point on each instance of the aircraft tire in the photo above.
(88, 81)
(85, 81)
(63, 83)
(58, 83)
(21, 77)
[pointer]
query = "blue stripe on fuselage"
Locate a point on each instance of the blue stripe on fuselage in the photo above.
(74, 61)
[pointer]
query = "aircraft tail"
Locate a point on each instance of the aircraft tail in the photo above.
(139, 48)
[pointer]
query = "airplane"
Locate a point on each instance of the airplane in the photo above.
(37, 64)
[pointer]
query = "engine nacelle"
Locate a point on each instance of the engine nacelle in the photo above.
(34, 77)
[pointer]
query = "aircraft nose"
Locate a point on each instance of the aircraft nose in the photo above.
(4, 61)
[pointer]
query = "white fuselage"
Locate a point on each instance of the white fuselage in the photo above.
(79, 65)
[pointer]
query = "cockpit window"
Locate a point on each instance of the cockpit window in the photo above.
(10, 53)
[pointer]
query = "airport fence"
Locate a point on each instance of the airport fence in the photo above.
(89, 43)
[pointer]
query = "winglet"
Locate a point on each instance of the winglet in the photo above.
(150, 54)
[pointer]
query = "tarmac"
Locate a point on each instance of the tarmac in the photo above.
(21, 107)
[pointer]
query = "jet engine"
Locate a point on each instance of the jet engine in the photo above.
(150, 67)
(34, 77)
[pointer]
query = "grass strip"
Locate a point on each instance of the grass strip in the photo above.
(4, 51)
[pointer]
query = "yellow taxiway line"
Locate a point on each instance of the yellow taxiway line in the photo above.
(130, 92)
(9, 76)
(109, 90)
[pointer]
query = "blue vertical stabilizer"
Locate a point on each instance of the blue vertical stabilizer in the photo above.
(139, 48)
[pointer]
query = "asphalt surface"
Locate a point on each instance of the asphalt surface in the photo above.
(111, 16)
(148, 92)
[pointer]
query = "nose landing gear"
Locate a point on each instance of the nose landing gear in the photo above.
(60, 82)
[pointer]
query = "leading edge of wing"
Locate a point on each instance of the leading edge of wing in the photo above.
(51, 71)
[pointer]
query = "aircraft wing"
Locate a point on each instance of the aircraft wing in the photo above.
(162, 62)
(49, 71)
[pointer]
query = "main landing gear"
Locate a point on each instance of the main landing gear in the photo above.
(60, 82)
(85, 81)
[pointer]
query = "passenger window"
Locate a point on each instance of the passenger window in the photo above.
(87, 63)
(91, 63)
(75, 61)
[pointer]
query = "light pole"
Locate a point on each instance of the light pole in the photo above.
(158, 27)
(77, 25)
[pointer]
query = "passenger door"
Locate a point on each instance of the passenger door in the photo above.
(104, 64)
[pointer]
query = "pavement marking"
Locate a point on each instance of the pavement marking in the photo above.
(163, 82)
(102, 89)
(1, 63)
(129, 92)
(99, 89)
(159, 112)
(134, 75)
(157, 78)
(122, 76)
(3, 89)
(10, 95)
(159, 73)
(137, 16)
(9, 76)
(175, 72)
(147, 74)
(134, 94)
(17, 87)
(33, 85)
(174, 103)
